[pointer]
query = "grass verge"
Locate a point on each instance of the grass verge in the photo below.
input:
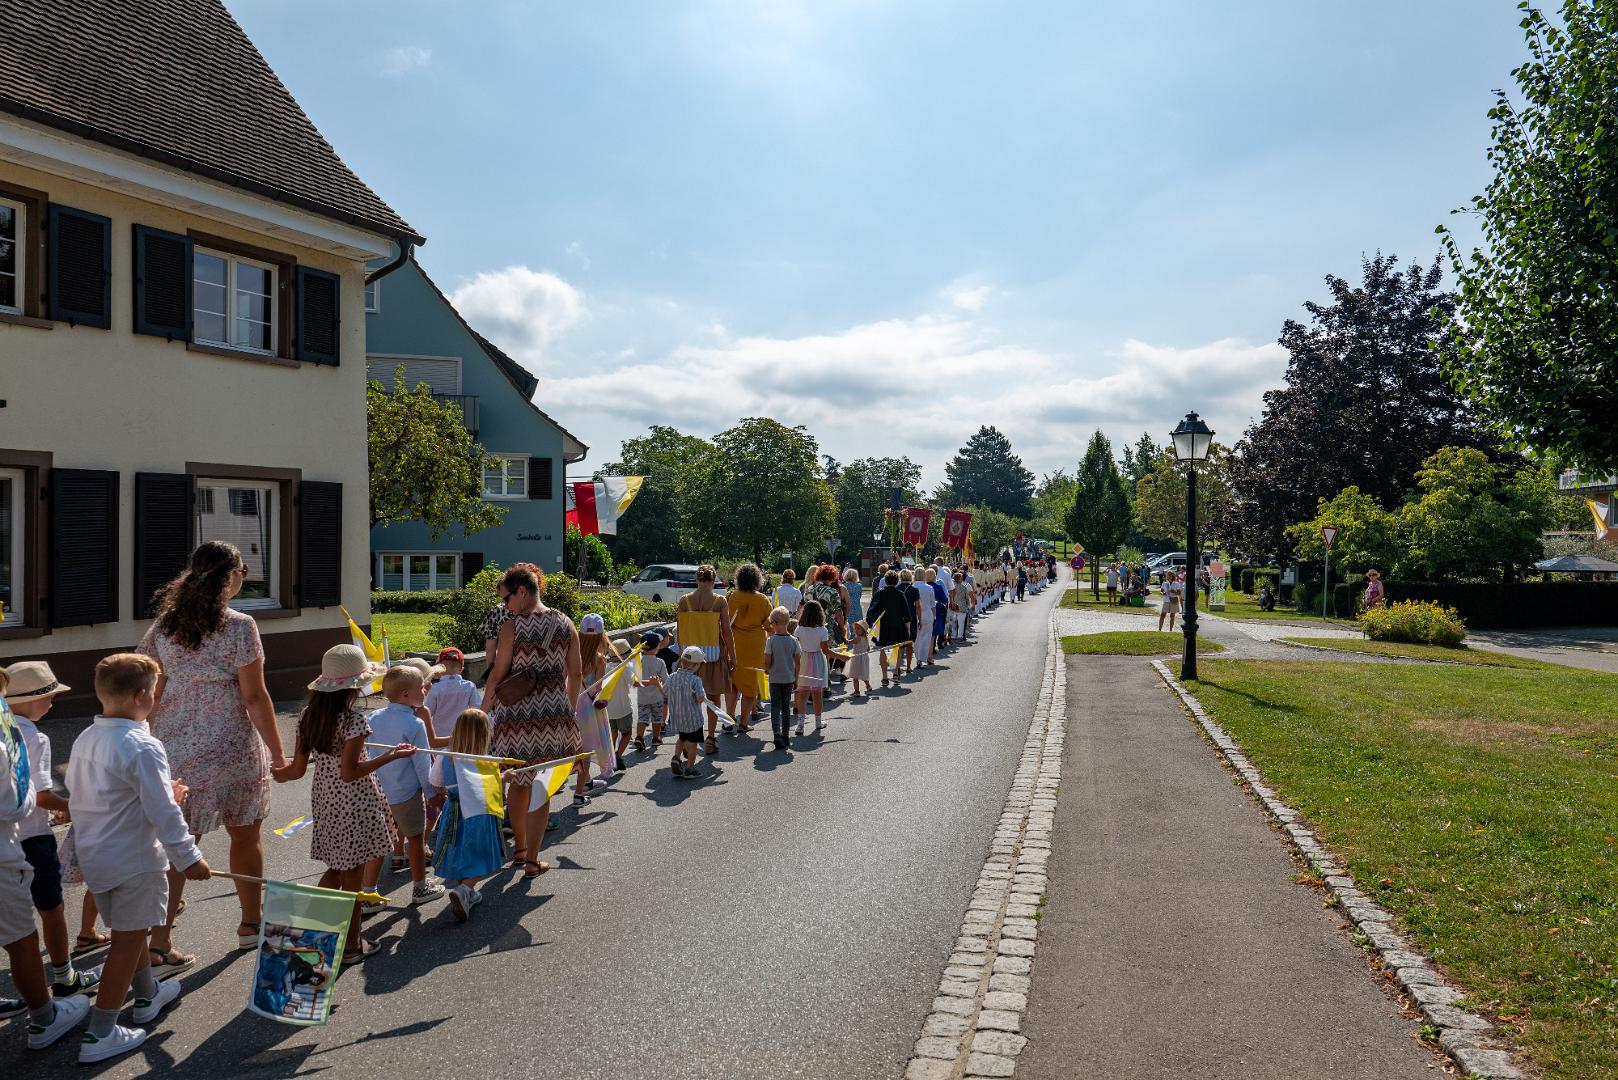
(1081, 597)
(1457, 655)
(1477, 804)
(1134, 643)
(1238, 605)
(407, 632)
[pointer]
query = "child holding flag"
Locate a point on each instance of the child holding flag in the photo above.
(688, 700)
(815, 664)
(652, 702)
(467, 847)
(859, 665)
(405, 784)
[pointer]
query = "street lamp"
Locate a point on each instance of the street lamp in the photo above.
(1191, 442)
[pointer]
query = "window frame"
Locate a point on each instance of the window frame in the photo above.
(284, 575)
(272, 569)
(232, 264)
(30, 310)
(371, 295)
(19, 253)
(435, 580)
(283, 320)
(33, 536)
(505, 494)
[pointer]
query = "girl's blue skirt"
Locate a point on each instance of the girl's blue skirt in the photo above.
(467, 847)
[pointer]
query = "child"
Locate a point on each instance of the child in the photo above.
(859, 666)
(781, 657)
(592, 669)
(687, 702)
(815, 640)
(652, 702)
(130, 831)
(452, 693)
(48, 1018)
(620, 707)
(467, 847)
(351, 816)
(405, 784)
(32, 691)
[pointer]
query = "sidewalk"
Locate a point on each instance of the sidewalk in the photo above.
(1174, 941)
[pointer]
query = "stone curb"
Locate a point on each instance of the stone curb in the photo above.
(1466, 1037)
(974, 1026)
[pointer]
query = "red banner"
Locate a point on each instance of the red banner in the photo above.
(915, 526)
(957, 527)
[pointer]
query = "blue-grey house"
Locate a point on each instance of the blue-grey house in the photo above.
(409, 323)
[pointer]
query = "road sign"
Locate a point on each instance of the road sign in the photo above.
(831, 547)
(1329, 533)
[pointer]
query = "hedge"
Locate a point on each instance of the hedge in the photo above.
(420, 603)
(1555, 603)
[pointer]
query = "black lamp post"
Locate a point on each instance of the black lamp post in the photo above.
(1191, 442)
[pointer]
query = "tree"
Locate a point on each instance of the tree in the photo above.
(986, 473)
(1160, 496)
(1052, 500)
(991, 530)
(598, 560)
(1368, 536)
(654, 528)
(1365, 402)
(862, 493)
(1475, 518)
(761, 490)
(1099, 517)
(1536, 341)
(424, 465)
(1138, 459)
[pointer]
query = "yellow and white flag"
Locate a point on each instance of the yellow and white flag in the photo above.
(479, 787)
(1602, 512)
(377, 654)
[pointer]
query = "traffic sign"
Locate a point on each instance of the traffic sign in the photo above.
(1329, 533)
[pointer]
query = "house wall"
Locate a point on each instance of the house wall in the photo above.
(415, 320)
(116, 400)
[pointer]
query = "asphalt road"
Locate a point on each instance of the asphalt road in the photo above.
(787, 918)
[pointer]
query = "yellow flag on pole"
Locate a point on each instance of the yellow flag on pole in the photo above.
(377, 654)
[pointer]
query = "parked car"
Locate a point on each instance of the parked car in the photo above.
(665, 583)
(1172, 560)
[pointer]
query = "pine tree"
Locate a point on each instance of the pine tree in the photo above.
(986, 473)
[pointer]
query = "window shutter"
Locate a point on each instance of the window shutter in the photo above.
(84, 547)
(541, 482)
(164, 522)
(320, 544)
(162, 284)
(471, 566)
(319, 315)
(79, 280)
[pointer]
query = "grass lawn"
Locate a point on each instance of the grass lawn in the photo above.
(1478, 804)
(407, 632)
(1455, 655)
(1238, 605)
(1083, 598)
(1134, 643)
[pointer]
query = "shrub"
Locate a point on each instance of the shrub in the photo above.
(622, 610)
(1245, 582)
(1236, 573)
(1415, 622)
(562, 593)
(461, 615)
(622, 572)
(419, 603)
(597, 558)
(1259, 577)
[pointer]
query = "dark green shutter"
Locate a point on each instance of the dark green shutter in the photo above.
(164, 521)
(79, 278)
(84, 547)
(162, 284)
(320, 544)
(471, 565)
(319, 315)
(541, 482)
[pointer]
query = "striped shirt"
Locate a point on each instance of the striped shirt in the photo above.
(686, 697)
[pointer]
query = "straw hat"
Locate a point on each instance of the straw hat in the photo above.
(344, 667)
(32, 680)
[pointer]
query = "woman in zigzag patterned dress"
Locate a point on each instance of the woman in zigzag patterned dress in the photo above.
(541, 644)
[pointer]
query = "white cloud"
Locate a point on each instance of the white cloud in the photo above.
(575, 251)
(969, 297)
(521, 310)
(403, 59)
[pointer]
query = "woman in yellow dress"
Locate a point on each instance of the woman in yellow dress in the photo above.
(702, 620)
(749, 626)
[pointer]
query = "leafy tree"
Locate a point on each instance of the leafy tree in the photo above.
(1366, 401)
(986, 473)
(1052, 501)
(991, 530)
(1474, 518)
(1160, 496)
(762, 490)
(1368, 536)
(1138, 459)
(424, 465)
(654, 528)
(1536, 341)
(1099, 517)
(862, 497)
(598, 560)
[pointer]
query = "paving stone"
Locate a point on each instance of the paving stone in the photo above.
(930, 1069)
(1385, 939)
(1005, 1000)
(1450, 1017)
(961, 988)
(958, 1006)
(1485, 1062)
(958, 971)
(1336, 882)
(1021, 911)
(971, 943)
(1013, 965)
(1015, 947)
(1026, 933)
(1399, 959)
(968, 959)
(980, 917)
(1408, 975)
(938, 1046)
(1429, 994)
(989, 1065)
(945, 1024)
(1011, 984)
(999, 1043)
(999, 1020)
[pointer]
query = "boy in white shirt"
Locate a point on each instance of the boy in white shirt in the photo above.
(405, 782)
(129, 832)
(452, 693)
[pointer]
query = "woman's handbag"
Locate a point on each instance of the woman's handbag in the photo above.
(513, 688)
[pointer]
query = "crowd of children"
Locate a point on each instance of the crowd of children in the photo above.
(383, 781)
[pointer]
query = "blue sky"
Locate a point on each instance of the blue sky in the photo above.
(892, 222)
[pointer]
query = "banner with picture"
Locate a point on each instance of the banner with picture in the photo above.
(300, 948)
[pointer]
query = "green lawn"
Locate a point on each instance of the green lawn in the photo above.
(1134, 643)
(1455, 655)
(407, 632)
(1238, 605)
(1083, 598)
(1478, 804)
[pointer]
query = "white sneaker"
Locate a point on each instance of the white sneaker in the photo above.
(460, 902)
(477, 897)
(800, 729)
(425, 892)
(121, 1041)
(818, 728)
(70, 1011)
(146, 1009)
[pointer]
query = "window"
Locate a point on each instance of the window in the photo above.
(12, 230)
(242, 512)
(506, 477)
(13, 604)
(234, 301)
(418, 571)
(373, 296)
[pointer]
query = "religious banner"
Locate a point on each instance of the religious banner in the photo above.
(916, 520)
(300, 947)
(957, 527)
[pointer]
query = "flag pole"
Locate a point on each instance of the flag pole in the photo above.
(571, 758)
(454, 754)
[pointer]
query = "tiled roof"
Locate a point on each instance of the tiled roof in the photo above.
(177, 81)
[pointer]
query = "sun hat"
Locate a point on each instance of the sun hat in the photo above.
(344, 667)
(592, 623)
(32, 680)
(450, 652)
(693, 652)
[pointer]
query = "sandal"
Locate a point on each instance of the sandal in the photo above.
(247, 939)
(532, 868)
(367, 948)
(710, 746)
(519, 856)
(172, 962)
(90, 942)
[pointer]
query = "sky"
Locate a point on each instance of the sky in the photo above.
(893, 222)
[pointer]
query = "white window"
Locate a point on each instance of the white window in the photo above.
(373, 296)
(13, 604)
(12, 229)
(234, 300)
(244, 513)
(413, 571)
(506, 477)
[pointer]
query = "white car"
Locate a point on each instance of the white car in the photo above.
(665, 583)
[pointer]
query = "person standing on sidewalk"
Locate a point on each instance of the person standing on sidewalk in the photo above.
(1173, 590)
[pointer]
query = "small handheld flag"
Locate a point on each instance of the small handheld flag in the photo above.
(294, 827)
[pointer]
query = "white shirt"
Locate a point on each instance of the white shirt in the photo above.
(124, 814)
(449, 697)
(929, 600)
(789, 597)
(16, 793)
(39, 777)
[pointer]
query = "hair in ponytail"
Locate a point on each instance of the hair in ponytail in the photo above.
(192, 606)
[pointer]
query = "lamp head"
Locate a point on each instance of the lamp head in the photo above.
(1192, 439)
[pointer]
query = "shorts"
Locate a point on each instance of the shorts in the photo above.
(139, 903)
(691, 736)
(650, 714)
(40, 851)
(409, 817)
(621, 725)
(16, 905)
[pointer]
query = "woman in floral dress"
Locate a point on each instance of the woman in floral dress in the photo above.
(539, 647)
(216, 722)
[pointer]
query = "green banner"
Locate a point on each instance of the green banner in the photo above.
(300, 948)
